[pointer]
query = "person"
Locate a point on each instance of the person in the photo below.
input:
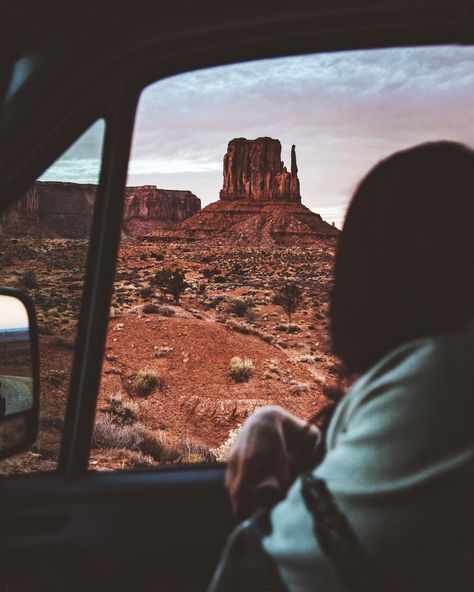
(390, 504)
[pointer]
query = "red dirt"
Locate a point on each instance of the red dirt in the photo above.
(199, 400)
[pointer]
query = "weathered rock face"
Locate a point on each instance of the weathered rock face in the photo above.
(58, 209)
(260, 203)
(65, 209)
(253, 170)
(23, 212)
(53, 209)
(147, 207)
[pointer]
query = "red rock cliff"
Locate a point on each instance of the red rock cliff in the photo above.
(253, 170)
(147, 201)
(58, 209)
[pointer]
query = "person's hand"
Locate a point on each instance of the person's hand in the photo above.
(272, 448)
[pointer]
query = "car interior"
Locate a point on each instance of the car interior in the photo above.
(64, 70)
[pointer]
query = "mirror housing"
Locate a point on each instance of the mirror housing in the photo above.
(19, 372)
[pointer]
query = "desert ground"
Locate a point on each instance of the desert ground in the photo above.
(168, 393)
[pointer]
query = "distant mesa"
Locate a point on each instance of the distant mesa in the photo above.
(147, 208)
(64, 210)
(259, 203)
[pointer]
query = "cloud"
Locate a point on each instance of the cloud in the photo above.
(344, 111)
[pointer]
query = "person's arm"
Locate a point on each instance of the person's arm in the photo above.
(273, 447)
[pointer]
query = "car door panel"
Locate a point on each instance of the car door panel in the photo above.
(114, 531)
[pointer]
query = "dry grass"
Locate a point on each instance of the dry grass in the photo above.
(148, 445)
(305, 358)
(147, 381)
(240, 370)
(122, 410)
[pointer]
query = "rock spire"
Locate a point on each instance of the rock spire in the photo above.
(254, 171)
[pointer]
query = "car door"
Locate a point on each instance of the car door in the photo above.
(75, 529)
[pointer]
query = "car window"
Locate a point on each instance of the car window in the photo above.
(238, 182)
(44, 238)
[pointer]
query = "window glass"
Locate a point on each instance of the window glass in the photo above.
(237, 187)
(44, 237)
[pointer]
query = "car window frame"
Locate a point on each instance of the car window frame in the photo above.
(125, 75)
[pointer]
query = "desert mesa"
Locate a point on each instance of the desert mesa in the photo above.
(259, 203)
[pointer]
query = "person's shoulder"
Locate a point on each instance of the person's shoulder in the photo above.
(431, 359)
(418, 374)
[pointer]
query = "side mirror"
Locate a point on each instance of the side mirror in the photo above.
(19, 372)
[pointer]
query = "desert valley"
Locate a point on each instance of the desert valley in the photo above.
(216, 311)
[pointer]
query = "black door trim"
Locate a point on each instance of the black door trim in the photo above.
(101, 262)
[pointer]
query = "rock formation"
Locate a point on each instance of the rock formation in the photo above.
(147, 208)
(253, 170)
(64, 210)
(260, 203)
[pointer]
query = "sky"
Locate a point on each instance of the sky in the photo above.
(343, 111)
(14, 314)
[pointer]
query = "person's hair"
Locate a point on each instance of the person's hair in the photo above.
(404, 265)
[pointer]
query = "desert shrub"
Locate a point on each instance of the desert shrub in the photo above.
(214, 302)
(195, 453)
(171, 282)
(239, 327)
(209, 272)
(166, 311)
(156, 445)
(158, 256)
(241, 308)
(153, 445)
(45, 329)
(150, 308)
(107, 434)
(28, 279)
(56, 377)
(146, 381)
(289, 297)
(124, 412)
(306, 358)
(240, 370)
(293, 329)
(246, 329)
(296, 388)
(161, 352)
(135, 459)
(146, 292)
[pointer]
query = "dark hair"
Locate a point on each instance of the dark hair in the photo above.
(405, 265)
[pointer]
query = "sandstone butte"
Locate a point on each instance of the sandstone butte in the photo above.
(64, 210)
(259, 203)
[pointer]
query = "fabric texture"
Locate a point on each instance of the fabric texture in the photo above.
(400, 469)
